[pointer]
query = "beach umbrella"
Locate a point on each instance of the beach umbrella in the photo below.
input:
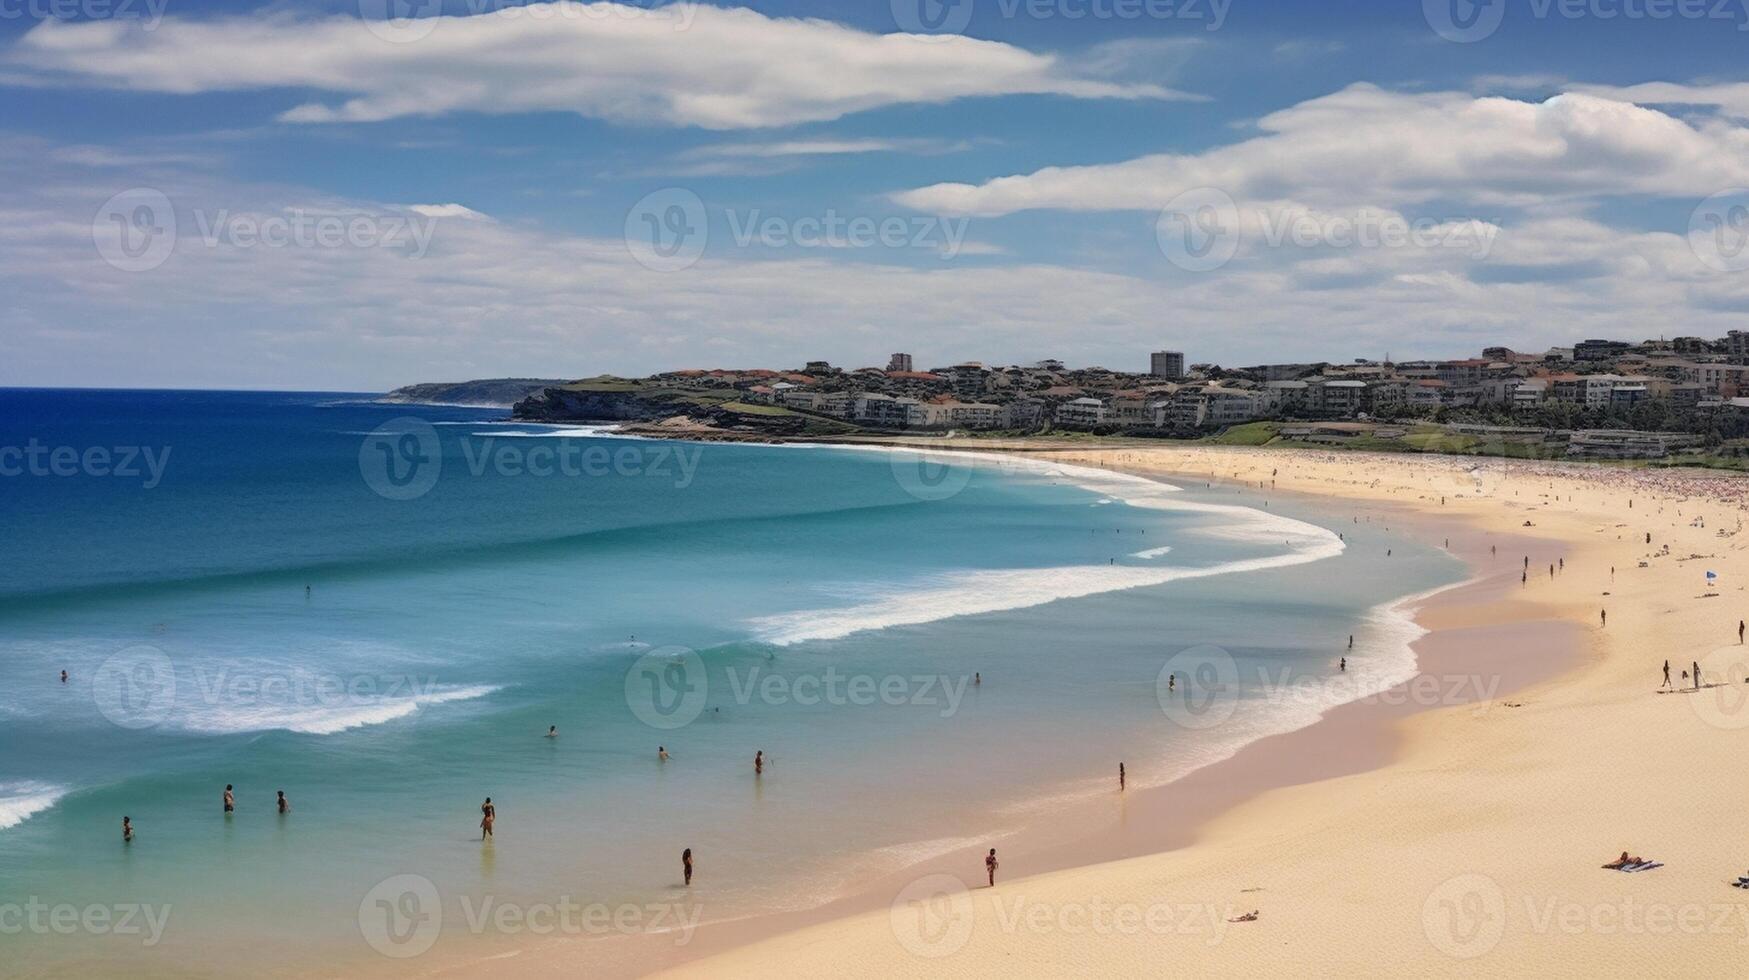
(1711, 577)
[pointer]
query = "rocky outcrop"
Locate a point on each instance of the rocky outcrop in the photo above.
(485, 393)
(559, 404)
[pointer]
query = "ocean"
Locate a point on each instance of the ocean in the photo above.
(381, 610)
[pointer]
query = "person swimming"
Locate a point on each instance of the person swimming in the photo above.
(284, 804)
(661, 753)
(552, 731)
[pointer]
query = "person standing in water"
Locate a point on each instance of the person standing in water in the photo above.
(990, 866)
(661, 753)
(284, 804)
(1342, 665)
(127, 831)
(759, 762)
(230, 800)
(488, 816)
(1120, 777)
(63, 677)
(686, 864)
(552, 731)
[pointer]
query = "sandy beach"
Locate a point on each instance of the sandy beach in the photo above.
(1454, 827)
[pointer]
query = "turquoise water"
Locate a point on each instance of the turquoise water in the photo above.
(471, 582)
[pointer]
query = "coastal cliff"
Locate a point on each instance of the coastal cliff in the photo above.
(483, 393)
(661, 410)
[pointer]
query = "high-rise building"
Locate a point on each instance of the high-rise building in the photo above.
(1166, 364)
(899, 362)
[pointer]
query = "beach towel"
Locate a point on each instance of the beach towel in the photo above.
(1642, 866)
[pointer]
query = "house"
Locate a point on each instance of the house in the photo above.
(1081, 413)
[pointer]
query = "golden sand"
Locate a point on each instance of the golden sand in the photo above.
(1476, 849)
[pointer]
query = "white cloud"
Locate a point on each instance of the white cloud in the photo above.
(713, 67)
(447, 211)
(1730, 98)
(502, 298)
(1367, 146)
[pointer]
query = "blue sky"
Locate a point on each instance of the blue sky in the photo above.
(304, 195)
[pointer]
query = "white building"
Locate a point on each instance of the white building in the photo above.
(1081, 413)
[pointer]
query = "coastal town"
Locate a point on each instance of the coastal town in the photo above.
(1598, 398)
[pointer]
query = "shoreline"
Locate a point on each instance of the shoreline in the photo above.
(1476, 848)
(1357, 736)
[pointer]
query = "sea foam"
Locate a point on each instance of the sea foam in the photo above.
(325, 717)
(971, 593)
(21, 799)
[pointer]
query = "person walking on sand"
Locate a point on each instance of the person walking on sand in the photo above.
(990, 866)
(1696, 666)
(1351, 641)
(1667, 683)
(1120, 777)
(686, 865)
(127, 831)
(1342, 665)
(1739, 632)
(230, 800)
(759, 762)
(1602, 617)
(284, 804)
(488, 816)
